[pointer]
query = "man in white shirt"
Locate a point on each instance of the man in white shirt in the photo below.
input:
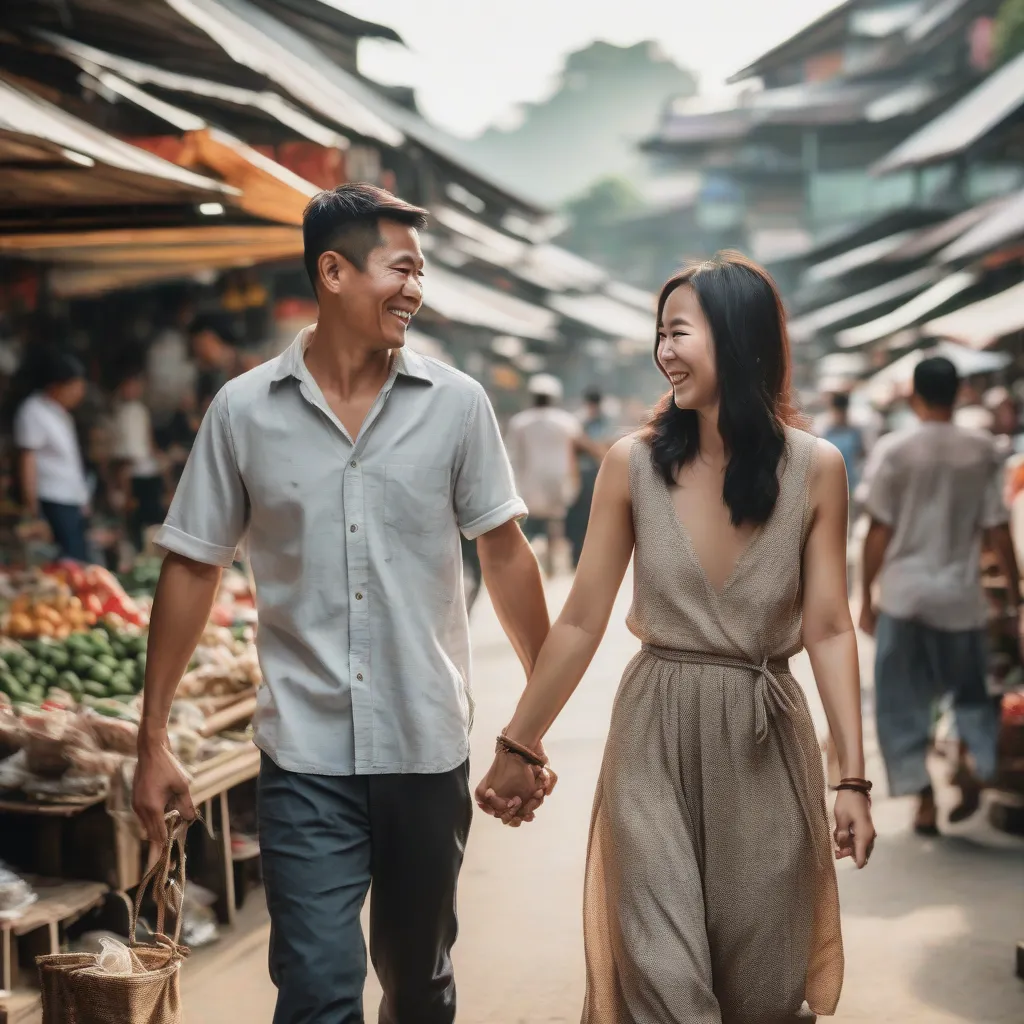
(50, 466)
(542, 444)
(934, 493)
(349, 465)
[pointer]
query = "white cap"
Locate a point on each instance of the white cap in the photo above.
(547, 385)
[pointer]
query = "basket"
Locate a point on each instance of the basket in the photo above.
(76, 991)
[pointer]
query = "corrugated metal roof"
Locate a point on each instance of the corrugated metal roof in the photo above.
(964, 123)
(95, 61)
(606, 315)
(469, 302)
(983, 323)
(804, 327)
(909, 313)
(1002, 224)
(853, 259)
(26, 114)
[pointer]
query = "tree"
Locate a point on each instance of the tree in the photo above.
(1009, 30)
(605, 200)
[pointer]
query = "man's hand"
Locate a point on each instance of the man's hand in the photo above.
(161, 785)
(868, 618)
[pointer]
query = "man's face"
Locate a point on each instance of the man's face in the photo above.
(377, 304)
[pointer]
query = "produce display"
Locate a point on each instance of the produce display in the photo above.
(104, 662)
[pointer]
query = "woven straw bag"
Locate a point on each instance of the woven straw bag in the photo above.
(76, 991)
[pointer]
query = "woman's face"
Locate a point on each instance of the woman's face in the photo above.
(686, 351)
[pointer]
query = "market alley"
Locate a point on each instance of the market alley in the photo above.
(930, 928)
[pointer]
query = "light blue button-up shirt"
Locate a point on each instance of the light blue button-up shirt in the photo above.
(354, 546)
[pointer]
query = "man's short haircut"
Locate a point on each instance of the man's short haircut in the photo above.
(840, 401)
(936, 382)
(346, 220)
(593, 396)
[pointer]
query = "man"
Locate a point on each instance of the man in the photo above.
(542, 445)
(935, 493)
(351, 464)
(51, 469)
(598, 427)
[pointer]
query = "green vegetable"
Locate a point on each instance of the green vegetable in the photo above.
(129, 668)
(48, 674)
(95, 689)
(29, 665)
(100, 639)
(23, 677)
(35, 694)
(78, 643)
(100, 674)
(70, 682)
(8, 683)
(110, 661)
(14, 659)
(15, 690)
(59, 658)
(32, 646)
(141, 660)
(120, 684)
(83, 664)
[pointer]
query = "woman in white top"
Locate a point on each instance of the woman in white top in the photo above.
(51, 470)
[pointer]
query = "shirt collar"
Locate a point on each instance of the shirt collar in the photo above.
(290, 362)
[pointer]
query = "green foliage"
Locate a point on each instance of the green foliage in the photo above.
(605, 200)
(1009, 30)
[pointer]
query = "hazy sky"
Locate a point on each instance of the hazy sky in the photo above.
(472, 61)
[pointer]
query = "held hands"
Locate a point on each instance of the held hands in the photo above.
(513, 789)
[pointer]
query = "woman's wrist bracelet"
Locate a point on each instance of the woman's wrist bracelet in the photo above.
(531, 757)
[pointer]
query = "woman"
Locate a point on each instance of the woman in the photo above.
(711, 892)
(50, 467)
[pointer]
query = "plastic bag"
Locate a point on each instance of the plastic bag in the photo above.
(114, 957)
(16, 895)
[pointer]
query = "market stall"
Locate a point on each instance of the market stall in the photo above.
(72, 661)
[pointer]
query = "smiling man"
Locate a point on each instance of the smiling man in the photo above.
(350, 464)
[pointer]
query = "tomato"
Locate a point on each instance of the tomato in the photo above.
(93, 605)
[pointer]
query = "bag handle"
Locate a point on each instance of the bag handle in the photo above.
(159, 876)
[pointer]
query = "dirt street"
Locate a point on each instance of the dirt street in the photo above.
(930, 927)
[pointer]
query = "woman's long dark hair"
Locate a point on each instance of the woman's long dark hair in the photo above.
(748, 324)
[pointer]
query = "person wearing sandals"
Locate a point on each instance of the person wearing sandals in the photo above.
(710, 893)
(934, 495)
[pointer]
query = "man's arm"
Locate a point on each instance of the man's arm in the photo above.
(876, 543)
(203, 528)
(512, 576)
(181, 608)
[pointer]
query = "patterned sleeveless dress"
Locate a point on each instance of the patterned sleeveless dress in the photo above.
(711, 891)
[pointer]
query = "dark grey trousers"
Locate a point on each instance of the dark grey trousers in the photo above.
(324, 839)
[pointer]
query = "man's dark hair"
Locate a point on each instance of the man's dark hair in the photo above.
(840, 401)
(347, 220)
(936, 382)
(592, 396)
(541, 401)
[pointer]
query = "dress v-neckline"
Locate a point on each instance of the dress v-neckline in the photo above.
(684, 533)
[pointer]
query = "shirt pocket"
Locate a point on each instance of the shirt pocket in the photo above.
(417, 507)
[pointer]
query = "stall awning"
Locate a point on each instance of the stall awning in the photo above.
(1003, 224)
(65, 161)
(606, 316)
(468, 302)
(983, 323)
(803, 328)
(92, 262)
(909, 313)
(964, 123)
(929, 240)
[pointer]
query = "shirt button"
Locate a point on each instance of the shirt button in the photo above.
(353, 463)
(359, 676)
(359, 595)
(353, 528)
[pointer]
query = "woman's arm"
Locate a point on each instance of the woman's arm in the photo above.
(831, 642)
(576, 634)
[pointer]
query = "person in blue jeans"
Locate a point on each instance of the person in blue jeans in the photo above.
(847, 438)
(50, 466)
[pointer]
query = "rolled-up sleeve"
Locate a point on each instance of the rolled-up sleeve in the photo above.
(485, 491)
(208, 516)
